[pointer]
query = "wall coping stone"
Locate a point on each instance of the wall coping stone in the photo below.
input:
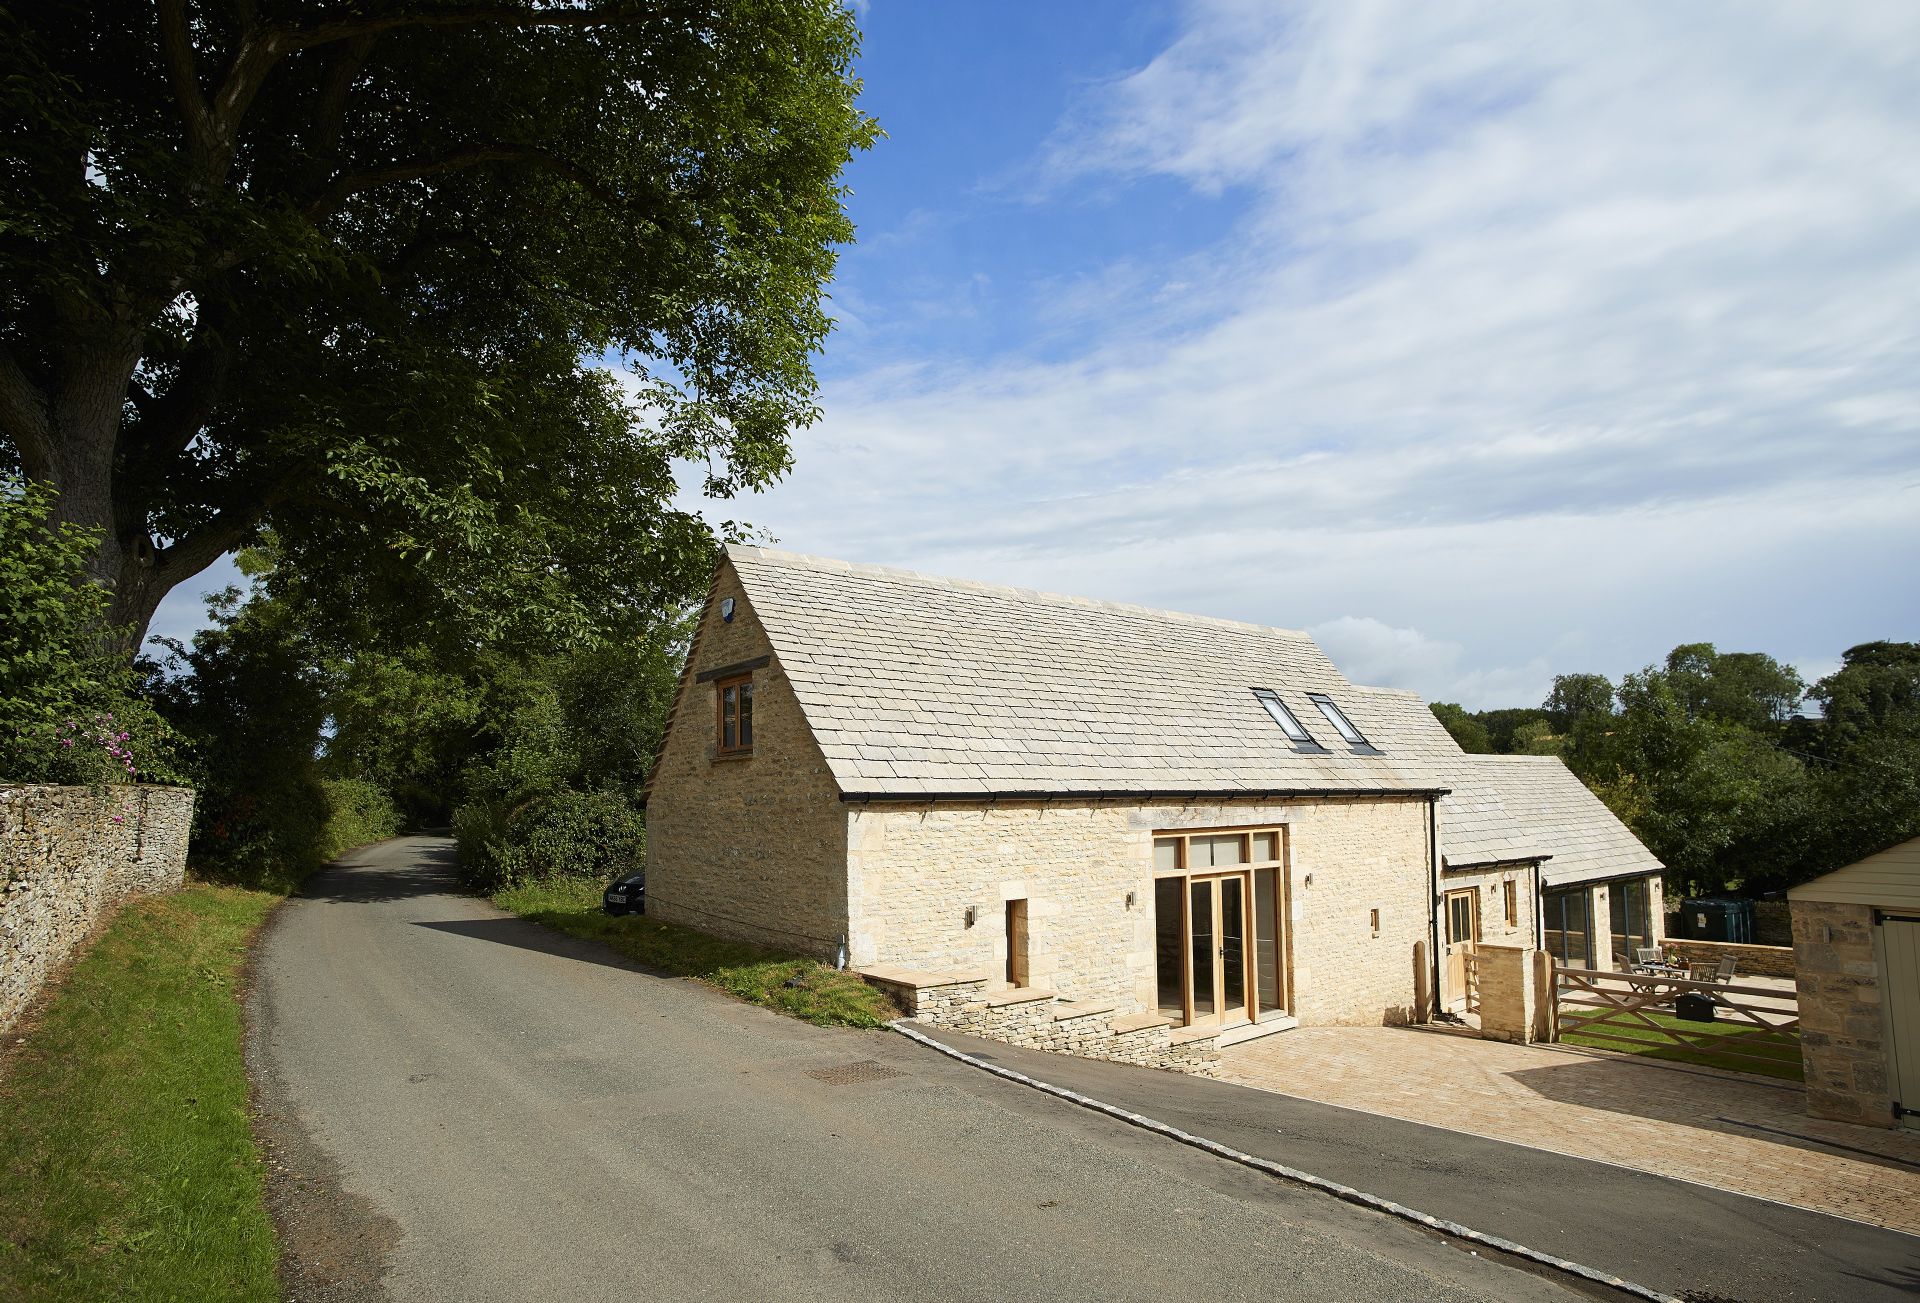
(893, 975)
(1019, 995)
(1140, 1022)
(1085, 1009)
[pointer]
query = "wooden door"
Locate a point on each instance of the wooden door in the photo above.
(1463, 929)
(1900, 948)
(1016, 943)
(1219, 977)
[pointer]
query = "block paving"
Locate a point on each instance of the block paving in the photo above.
(1667, 1119)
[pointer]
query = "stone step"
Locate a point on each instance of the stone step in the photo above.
(1019, 995)
(1081, 1009)
(1254, 1031)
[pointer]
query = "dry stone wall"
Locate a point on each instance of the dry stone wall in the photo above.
(1041, 1020)
(67, 855)
(1750, 961)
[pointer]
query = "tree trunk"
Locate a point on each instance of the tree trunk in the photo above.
(85, 418)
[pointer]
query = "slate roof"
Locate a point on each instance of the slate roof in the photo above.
(1551, 811)
(921, 686)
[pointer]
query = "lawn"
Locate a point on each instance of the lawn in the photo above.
(1773, 1057)
(128, 1169)
(800, 988)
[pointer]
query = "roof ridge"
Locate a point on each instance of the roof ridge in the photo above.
(800, 560)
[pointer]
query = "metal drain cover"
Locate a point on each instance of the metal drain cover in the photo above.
(846, 1074)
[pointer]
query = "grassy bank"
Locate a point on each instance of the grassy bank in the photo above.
(799, 988)
(127, 1166)
(1769, 1058)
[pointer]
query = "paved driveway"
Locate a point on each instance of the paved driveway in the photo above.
(1673, 1236)
(464, 1106)
(1729, 1130)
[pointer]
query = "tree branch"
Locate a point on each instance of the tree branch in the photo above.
(474, 16)
(343, 187)
(176, 50)
(25, 419)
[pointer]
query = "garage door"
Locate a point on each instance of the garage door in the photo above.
(1901, 945)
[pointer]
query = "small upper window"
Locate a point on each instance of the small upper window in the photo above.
(1293, 728)
(1341, 724)
(734, 714)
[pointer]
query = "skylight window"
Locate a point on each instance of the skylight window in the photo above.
(1341, 724)
(1293, 728)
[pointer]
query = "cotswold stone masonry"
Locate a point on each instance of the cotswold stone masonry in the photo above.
(67, 854)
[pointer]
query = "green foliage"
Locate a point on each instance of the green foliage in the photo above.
(1501, 724)
(356, 287)
(1705, 758)
(1535, 738)
(247, 695)
(559, 793)
(128, 1169)
(1467, 730)
(1750, 689)
(404, 723)
(1576, 696)
(358, 813)
(800, 988)
(1868, 770)
(69, 711)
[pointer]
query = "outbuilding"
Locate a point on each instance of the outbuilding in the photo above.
(1856, 947)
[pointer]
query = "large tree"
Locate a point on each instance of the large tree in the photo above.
(341, 269)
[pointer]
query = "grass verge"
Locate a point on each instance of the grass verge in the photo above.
(800, 988)
(128, 1169)
(1769, 1058)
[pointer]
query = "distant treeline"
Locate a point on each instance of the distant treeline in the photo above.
(1731, 769)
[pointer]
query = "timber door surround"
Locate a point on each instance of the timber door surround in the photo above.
(1463, 929)
(1219, 925)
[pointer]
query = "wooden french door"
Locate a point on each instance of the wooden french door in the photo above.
(1463, 929)
(1219, 978)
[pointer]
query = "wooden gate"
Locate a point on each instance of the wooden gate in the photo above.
(1470, 972)
(1755, 1029)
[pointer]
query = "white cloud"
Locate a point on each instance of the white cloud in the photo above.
(1548, 332)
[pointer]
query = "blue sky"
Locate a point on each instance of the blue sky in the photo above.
(1485, 341)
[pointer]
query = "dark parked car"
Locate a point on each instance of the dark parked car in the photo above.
(626, 895)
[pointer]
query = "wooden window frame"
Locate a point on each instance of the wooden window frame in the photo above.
(1510, 891)
(720, 687)
(1187, 874)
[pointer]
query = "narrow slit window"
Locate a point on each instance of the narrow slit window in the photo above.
(1293, 728)
(1337, 717)
(733, 701)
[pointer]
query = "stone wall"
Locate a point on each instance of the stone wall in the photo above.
(1772, 923)
(68, 854)
(1843, 1027)
(1751, 961)
(1040, 1020)
(1508, 993)
(755, 846)
(914, 871)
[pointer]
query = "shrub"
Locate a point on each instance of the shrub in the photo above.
(70, 711)
(568, 834)
(358, 812)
